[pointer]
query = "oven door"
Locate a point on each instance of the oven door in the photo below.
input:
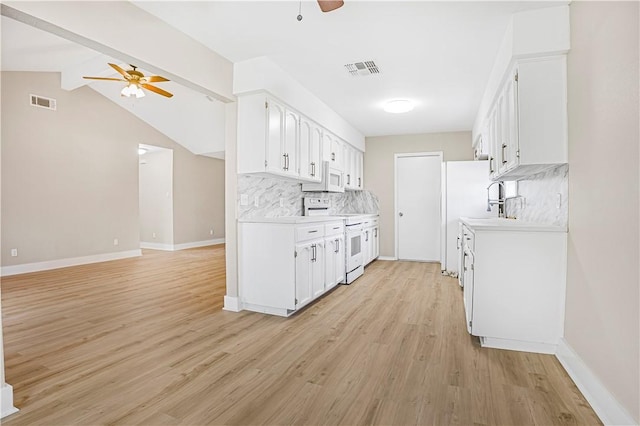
(354, 248)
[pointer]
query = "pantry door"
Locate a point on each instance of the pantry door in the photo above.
(418, 197)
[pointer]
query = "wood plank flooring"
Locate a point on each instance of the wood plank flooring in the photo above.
(144, 341)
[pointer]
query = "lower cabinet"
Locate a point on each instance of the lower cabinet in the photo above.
(309, 271)
(370, 241)
(285, 266)
(514, 287)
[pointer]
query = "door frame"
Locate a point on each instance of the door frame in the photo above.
(397, 156)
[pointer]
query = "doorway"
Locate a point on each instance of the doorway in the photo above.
(417, 206)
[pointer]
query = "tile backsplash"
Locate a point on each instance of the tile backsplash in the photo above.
(543, 198)
(281, 197)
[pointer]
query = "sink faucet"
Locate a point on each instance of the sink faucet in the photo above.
(499, 201)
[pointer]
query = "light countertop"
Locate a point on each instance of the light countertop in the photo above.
(299, 219)
(501, 224)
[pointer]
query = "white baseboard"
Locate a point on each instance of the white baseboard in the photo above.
(232, 304)
(63, 263)
(518, 345)
(6, 400)
(606, 406)
(183, 246)
(387, 258)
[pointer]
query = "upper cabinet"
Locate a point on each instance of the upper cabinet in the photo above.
(526, 128)
(275, 139)
(353, 165)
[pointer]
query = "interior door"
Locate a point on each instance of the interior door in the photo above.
(418, 198)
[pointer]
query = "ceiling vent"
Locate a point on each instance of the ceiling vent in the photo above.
(362, 68)
(42, 102)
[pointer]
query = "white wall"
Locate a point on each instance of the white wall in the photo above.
(602, 309)
(156, 197)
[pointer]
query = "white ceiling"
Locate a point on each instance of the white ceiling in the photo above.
(438, 54)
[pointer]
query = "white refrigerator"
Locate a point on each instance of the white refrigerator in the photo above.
(464, 194)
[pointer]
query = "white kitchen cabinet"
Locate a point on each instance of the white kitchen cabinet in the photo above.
(332, 148)
(334, 255)
(527, 125)
(353, 165)
(514, 283)
(283, 262)
(370, 240)
(310, 270)
(269, 139)
(310, 143)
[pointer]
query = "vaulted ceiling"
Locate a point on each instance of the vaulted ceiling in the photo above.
(437, 54)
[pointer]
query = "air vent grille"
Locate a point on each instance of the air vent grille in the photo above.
(42, 102)
(363, 68)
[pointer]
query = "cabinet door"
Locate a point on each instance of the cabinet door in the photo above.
(304, 256)
(511, 130)
(376, 243)
(336, 150)
(317, 268)
(347, 158)
(359, 169)
(468, 271)
(366, 246)
(340, 270)
(309, 149)
(500, 126)
(493, 144)
(330, 258)
(291, 138)
(276, 160)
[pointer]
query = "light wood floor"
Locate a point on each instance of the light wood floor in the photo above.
(144, 341)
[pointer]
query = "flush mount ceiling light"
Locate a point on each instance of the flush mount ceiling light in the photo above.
(398, 106)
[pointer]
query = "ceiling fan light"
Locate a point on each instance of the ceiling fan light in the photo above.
(139, 93)
(126, 91)
(398, 106)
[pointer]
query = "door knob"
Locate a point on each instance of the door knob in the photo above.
(400, 214)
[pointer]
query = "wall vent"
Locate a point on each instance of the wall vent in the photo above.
(363, 68)
(42, 102)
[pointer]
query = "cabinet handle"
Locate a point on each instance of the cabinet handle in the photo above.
(458, 242)
(367, 234)
(348, 179)
(491, 165)
(311, 232)
(337, 246)
(333, 156)
(376, 232)
(359, 182)
(313, 252)
(284, 159)
(313, 169)
(504, 146)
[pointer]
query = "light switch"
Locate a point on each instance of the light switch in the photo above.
(256, 201)
(244, 200)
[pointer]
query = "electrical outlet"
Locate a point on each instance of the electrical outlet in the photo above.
(281, 202)
(244, 200)
(256, 201)
(115, 242)
(558, 200)
(210, 231)
(153, 235)
(14, 252)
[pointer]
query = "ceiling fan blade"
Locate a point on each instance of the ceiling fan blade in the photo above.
(104, 78)
(329, 5)
(157, 90)
(121, 71)
(154, 79)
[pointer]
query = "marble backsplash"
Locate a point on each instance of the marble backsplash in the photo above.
(271, 191)
(542, 198)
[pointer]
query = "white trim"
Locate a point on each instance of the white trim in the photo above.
(232, 304)
(606, 406)
(196, 244)
(183, 246)
(63, 263)
(387, 258)
(6, 400)
(268, 310)
(518, 345)
(395, 187)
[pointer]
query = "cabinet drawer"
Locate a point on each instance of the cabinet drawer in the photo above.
(334, 228)
(469, 238)
(304, 233)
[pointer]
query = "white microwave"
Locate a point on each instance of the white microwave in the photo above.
(332, 180)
